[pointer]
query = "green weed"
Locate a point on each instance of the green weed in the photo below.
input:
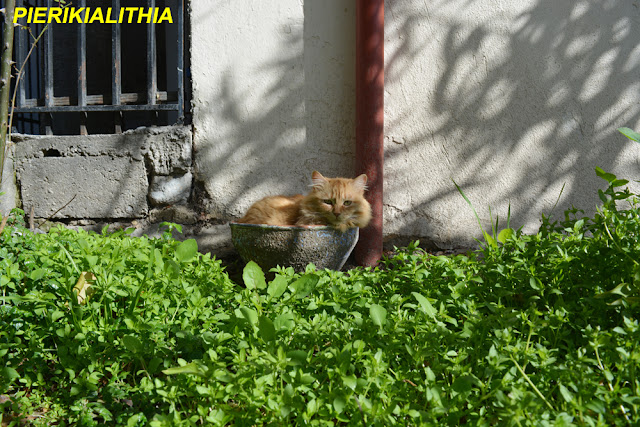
(530, 330)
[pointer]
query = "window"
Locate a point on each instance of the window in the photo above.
(99, 66)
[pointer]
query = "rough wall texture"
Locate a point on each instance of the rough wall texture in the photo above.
(104, 177)
(8, 190)
(273, 97)
(513, 99)
(516, 100)
(138, 180)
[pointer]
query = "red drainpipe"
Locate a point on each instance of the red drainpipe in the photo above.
(370, 120)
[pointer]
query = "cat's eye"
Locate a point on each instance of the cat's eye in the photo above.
(347, 203)
(328, 201)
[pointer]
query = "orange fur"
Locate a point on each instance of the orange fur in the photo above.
(274, 210)
(337, 202)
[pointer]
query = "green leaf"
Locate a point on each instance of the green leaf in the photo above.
(297, 357)
(350, 381)
(378, 314)
(56, 315)
(629, 133)
(566, 394)
(266, 329)
(249, 314)
(490, 240)
(187, 250)
(132, 343)
(136, 420)
(602, 196)
(505, 235)
(37, 274)
(193, 368)
(463, 383)
(534, 283)
(609, 177)
(305, 285)
(597, 406)
(277, 287)
(9, 374)
(172, 268)
(425, 304)
(284, 322)
(253, 276)
(339, 404)
(92, 260)
(619, 182)
(622, 289)
(464, 196)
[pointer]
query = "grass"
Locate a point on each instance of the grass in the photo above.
(528, 330)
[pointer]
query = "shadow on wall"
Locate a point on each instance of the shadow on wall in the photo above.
(267, 123)
(513, 101)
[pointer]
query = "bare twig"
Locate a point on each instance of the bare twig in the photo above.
(5, 77)
(20, 73)
(53, 214)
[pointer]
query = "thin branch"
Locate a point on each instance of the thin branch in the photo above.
(21, 72)
(4, 223)
(53, 214)
(5, 77)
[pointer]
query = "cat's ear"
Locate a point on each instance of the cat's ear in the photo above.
(360, 182)
(317, 180)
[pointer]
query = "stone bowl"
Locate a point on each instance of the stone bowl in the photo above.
(287, 246)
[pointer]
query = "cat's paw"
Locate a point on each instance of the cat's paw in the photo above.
(342, 227)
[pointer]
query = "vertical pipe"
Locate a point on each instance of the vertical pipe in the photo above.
(370, 120)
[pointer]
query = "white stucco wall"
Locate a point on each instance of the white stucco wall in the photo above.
(273, 97)
(513, 99)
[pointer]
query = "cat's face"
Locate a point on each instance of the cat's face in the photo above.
(340, 200)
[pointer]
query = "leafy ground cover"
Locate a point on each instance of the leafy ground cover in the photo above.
(528, 330)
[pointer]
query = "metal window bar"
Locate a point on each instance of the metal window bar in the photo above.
(150, 100)
(116, 74)
(20, 53)
(82, 68)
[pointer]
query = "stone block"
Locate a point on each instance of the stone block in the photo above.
(169, 149)
(120, 145)
(174, 213)
(100, 186)
(108, 174)
(170, 190)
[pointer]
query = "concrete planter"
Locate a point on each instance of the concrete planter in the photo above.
(270, 246)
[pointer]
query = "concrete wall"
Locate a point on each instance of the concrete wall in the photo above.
(273, 97)
(513, 99)
(8, 190)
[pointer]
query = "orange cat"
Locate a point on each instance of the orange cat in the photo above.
(337, 202)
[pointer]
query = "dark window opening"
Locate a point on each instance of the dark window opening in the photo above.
(91, 78)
